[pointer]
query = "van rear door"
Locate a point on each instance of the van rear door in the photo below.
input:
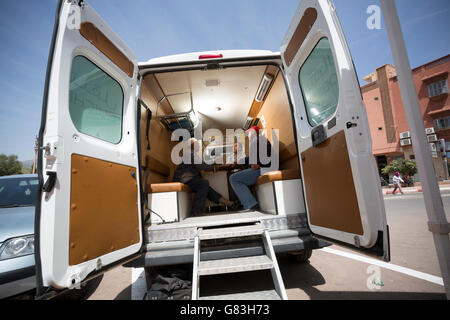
(88, 215)
(340, 178)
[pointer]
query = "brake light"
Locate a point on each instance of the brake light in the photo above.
(210, 56)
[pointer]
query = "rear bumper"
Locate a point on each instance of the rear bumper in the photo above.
(180, 252)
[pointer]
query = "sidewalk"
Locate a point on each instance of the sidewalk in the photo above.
(409, 190)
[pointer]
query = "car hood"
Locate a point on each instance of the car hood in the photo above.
(16, 222)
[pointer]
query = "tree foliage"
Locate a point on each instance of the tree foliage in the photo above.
(405, 167)
(9, 165)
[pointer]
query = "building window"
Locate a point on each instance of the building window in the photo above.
(319, 83)
(437, 88)
(442, 123)
(95, 101)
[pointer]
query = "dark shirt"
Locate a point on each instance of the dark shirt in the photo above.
(261, 140)
(187, 171)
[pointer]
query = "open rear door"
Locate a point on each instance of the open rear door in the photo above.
(341, 184)
(88, 215)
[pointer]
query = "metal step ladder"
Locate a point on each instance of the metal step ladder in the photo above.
(239, 264)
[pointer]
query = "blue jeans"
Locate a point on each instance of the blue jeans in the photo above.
(240, 182)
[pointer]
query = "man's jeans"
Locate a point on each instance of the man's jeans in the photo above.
(202, 191)
(240, 182)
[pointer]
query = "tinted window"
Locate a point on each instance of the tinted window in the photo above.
(95, 101)
(319, 83)
(18, 191)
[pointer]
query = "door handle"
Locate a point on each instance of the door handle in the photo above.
(50, 183)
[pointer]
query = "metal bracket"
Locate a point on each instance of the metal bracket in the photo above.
(318, 135)
(357, 242)
(439, 228)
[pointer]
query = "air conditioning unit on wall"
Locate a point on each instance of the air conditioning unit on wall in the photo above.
(405, 135)
(433, 147)
(429, 131)
(405, 142)
(432, 138)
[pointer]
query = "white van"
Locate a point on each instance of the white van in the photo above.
(106, 144)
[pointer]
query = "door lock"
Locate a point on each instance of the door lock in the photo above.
(351, 125)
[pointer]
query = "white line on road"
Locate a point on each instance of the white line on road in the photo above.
(390, 266)
(138, 284)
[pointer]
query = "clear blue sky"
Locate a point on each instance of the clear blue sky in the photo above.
(157, 28)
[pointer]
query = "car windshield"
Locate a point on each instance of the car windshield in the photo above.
(18, 191)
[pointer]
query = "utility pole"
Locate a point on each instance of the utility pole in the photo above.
(36, 148)
(437, 224)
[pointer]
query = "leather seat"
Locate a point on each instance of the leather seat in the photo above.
(169, 187)
(279, 175)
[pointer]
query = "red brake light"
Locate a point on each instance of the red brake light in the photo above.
(210, 56)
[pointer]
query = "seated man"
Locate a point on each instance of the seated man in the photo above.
(190, 174)
(241, 180)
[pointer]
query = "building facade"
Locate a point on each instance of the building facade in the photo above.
(387, 118)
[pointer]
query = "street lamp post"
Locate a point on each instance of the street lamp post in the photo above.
(438, 223)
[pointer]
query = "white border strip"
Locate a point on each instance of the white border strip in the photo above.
(138, 284)
(393, 267)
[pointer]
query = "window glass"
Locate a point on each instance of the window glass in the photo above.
(442, 123)
(319, 83)
(18, 191)
(437, 88)
(95, 101)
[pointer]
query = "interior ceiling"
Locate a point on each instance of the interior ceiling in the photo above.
(231, 90)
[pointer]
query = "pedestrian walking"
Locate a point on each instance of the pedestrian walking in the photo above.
(397, 180)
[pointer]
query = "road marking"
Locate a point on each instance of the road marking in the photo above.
(138, 284)
(390, 266)
(409, 196)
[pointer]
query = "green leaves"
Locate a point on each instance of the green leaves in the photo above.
(9, 165)
(407, 167)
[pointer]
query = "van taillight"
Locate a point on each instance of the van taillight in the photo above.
(210, 56)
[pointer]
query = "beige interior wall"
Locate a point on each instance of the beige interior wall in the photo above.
(277, 115)
(160, 137)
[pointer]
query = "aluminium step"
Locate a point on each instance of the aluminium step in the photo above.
(257, 295)
(233, 265)
(231, 232)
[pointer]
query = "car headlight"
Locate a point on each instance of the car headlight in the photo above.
(17, 247)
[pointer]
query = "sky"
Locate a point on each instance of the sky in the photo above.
(154, 28)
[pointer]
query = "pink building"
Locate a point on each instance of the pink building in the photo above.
(387, 118)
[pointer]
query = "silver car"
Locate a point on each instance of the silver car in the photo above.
(17, 267)
(17, 199)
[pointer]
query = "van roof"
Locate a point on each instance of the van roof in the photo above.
(194, 56)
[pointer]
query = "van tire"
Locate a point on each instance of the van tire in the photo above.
(301, 256)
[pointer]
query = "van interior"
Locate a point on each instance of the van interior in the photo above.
(224, 98)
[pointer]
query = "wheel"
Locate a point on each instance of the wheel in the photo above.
(301, 256)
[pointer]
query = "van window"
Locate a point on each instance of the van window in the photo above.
(95, 101)
(319, 83)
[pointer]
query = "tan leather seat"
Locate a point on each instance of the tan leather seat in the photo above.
(279, 175)
(169, 187)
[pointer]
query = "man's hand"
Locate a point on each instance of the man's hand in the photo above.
(255, 166)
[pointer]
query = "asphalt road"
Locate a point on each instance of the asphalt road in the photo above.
(333, 272)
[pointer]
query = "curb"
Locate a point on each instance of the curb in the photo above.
(415, 190)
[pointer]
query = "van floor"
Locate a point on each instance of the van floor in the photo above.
(215, 218)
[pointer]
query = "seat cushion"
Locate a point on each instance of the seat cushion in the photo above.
(279, 175)
(169, 187)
